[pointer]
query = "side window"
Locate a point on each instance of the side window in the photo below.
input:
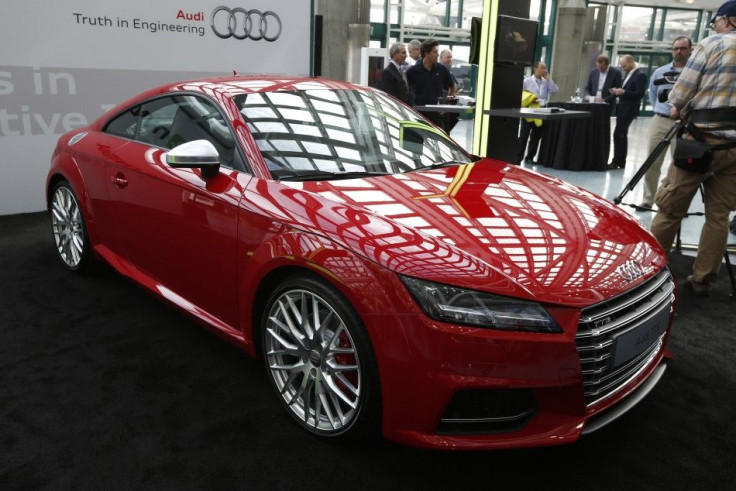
(157, 118)
(125, 124)
(198, 119)
(167, 122)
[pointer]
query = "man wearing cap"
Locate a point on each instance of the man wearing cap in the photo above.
(705, 93)
(661, 123)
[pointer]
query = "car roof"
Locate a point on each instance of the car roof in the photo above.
(230, 86)
(247, 84)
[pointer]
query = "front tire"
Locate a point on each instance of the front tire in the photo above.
(69, 230)
(319, 359)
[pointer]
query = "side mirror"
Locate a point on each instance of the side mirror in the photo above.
(412, 140)
(412, 135)
(198, 153)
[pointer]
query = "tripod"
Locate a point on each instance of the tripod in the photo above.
(661, 147)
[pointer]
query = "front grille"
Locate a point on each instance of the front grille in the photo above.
(635, 312)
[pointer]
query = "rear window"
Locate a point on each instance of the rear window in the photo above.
(125, 124)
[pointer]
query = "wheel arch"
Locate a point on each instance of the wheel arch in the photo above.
(64, 168)
(375, 293)
(53, 180)
(366, 286)
(362, 420)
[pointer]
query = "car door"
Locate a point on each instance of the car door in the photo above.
(179, 229)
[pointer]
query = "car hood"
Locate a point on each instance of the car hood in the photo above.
(487, 225)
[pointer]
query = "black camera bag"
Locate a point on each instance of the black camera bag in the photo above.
(693, 155)
(696, 155)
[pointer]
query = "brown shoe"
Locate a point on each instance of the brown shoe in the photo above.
(701, 288)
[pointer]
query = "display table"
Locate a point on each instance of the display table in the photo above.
(445, 108)
(543, 114)
(506, 148)
(577, 144)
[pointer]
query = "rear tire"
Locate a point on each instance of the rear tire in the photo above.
(69, 229)
(320, 360)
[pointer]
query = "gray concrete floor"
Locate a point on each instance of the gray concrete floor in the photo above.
(610, 184)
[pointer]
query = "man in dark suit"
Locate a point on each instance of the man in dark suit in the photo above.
(393, 79)
(629, 96)
(601, 80)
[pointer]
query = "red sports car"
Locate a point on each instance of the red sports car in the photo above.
(390, 281)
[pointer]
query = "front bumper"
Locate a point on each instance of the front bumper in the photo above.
(453, 387)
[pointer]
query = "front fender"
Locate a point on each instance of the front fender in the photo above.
(384, 305)
(370, 289)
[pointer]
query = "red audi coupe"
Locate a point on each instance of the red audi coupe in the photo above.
(391, 282)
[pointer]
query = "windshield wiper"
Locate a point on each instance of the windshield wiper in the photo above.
(438, 165)
(318, 175)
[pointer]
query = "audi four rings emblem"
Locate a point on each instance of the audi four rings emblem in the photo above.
(246, 24)
(630, 270)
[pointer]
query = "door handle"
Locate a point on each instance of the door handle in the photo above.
(119, 180)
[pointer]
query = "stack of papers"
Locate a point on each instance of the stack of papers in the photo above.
(548, 109)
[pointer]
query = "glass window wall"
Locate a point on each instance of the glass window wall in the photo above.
(680, 23)
(647, 33)
(636, 23)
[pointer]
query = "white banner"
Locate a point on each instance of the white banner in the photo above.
(64, 63)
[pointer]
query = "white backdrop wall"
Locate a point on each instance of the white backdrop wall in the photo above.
(63, 63)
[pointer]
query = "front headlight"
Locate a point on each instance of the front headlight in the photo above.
(461, 306)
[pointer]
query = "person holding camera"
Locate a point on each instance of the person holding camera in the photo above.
(659, 88)
(705, 95)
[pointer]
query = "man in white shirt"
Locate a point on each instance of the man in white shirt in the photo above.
(541, 84)
(601, 80)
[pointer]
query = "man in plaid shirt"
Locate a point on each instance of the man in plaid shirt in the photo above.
(707, 83)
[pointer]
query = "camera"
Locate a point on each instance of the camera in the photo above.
(668, 78)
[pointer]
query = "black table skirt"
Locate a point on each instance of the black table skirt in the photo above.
(577, 144)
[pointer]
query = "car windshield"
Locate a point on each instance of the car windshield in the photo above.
(325, 134)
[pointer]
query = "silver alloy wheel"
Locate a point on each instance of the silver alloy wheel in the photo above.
(313, 361)
(66, 224)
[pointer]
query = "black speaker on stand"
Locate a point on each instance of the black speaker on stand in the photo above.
(508, 79)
